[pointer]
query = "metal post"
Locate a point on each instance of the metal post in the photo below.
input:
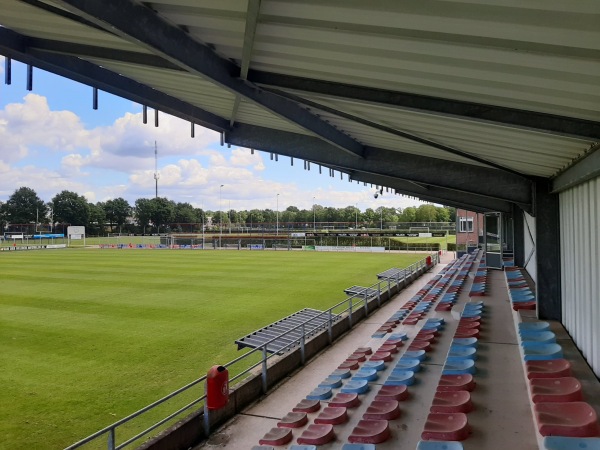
(329, 327)
(264, 369)
(379, 293)
(302, 341)
(111, 439)
(366, 304)
(350, 311)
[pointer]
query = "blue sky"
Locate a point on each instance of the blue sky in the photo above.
(51, 139)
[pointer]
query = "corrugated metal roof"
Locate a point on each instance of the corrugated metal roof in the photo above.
(539, 56)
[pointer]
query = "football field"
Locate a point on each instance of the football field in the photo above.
(90, 336)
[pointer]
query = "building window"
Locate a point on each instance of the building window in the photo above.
(465, 224)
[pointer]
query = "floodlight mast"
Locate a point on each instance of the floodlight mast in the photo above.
(156, 174)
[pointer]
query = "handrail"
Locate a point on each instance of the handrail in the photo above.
(362, 301)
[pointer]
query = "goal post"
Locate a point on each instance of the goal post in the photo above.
(75, 233)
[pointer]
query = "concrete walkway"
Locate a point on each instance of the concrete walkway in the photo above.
(502, 417)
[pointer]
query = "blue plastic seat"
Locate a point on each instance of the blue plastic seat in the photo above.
(417, 354)
(571, 443)
(365, 374)
(398, 337)
(302, 447)
(377, 365)
(358, 447)
(460, 351)
(355, 387)
(534, 326)
(320, 393)
(535, 351)
(408, 364)
(439, 445)
(542, 337)
(465, 342)
(342, 373)
(331, 382)
(459, 367)
(400, 377)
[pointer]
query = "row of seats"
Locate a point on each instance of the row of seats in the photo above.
(447, 423)
(479, 286)
(521, 294)
(562, 417)
(327, 405)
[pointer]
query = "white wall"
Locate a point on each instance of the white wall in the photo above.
(529, 226)
(580, 267)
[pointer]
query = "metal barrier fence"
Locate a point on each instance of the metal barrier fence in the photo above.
(258, 357)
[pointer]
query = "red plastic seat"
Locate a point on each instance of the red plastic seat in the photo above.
(463, 382)
(382, 410)
(370, 432)
(381, 356)
(425, 337)
(317, 434)
(419, 345)
(387, 348)
(389, 324)
(397, 344)
(307, 406)
(444, 307)
(293, 419)
(399, 393)
(384, 330)
(471, 324)
(364, 350)
(333, 415)
(451, 402)
(352, 365)
(466, 332)
(345, 400)
(552, 368)
(565, 389)
(410, 321)
(531, 306)
(277, 436)
(360, 357)
(471, 319)
(572, 419)
(446, 427)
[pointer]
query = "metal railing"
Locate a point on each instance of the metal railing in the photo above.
(334, 315)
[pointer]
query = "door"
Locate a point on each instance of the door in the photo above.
(493, 240)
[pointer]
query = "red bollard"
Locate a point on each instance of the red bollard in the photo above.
(217, 387)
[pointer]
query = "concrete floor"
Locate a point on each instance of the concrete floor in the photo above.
(502, 417)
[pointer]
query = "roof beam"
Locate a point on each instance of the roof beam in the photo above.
(499, 115)
(175, 45)
(16, 46)
(456, 176)
(394, 131)
(583, 170)
(436, 194)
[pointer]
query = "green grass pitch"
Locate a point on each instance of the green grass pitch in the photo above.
(90, 336)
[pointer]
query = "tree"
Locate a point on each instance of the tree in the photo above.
(117, 211)
(426, 213)
(143, 212)
(97, 217)
(443, 214)
(409, 214)
(69, 207)
(162, 212)
(185, 213)
(24, 206)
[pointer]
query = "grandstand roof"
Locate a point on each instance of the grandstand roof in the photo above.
(462, 102)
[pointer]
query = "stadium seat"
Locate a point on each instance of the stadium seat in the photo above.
(543, 337)
(320, 393)
(342, 373)
(365, 374)
(345, 400)
(350, 365)
(406, 377)
(358, 447)
(370, 432)
(461, 351)
(572, 419)
(333, 415)
(439, 445)
(417, 354)
(552, 368)
(571, 443)
(293, 420)
(377, 365)
(459, 367)
(536, 351)
(331, 382)
(317, 434)
(399, 392)
(387, 348)
(565, 389)
(302, 447)
(355, 387)
(381, 356)
(525, 327)
(408, 364)
(446, 427)
(277, 436)
(456, 383)
(451, 401)
(382, 410)
(307, 406)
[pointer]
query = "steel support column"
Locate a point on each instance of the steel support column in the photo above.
(519, 236)
(548, 251)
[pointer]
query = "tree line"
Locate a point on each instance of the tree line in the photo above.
(147, 215)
